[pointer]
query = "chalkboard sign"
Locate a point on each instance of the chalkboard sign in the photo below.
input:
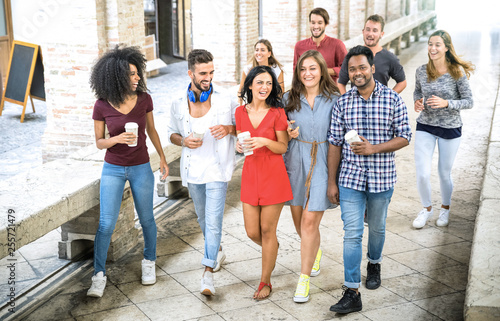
(38, 83)
(24, 76)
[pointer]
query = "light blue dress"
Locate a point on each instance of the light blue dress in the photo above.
(314, 125)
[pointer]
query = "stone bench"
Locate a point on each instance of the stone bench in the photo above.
(65, 193)
(401, 30)
(482, 299)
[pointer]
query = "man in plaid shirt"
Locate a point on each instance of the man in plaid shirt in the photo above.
(367, 168)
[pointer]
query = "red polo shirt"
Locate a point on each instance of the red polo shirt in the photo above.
(332, 49)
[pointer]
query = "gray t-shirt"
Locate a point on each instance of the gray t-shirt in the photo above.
(387, 66)
(457, 92)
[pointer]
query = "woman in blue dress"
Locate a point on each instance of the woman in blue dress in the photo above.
(309, 109)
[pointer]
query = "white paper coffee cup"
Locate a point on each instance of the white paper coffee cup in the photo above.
(132, 128)
(199, 132)
(352, 136)
(241, 138)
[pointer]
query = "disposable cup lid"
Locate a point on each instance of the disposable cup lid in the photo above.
(131, 125)
(244, 134)
(351, 133)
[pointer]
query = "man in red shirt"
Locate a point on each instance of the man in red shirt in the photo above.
(332, 49)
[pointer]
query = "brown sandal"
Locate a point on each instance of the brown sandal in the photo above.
(261, 286)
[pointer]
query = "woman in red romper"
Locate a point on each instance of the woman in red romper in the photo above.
(265, 186)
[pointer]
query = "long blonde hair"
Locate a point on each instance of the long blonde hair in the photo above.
(453, 61)
(272, 59)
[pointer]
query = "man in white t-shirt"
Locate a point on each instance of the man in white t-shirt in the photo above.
(202, 122)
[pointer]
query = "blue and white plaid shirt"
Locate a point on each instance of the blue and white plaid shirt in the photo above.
(378, 119)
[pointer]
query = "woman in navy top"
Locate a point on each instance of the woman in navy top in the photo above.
(117, 81)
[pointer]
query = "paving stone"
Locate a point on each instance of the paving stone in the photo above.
(130, 312)
(181, 307)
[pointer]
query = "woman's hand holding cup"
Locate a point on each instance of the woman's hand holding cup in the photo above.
(126, 138)
(239, 148)
(244, 139)
(292, 131)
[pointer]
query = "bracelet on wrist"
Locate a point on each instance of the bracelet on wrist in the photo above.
(182, 142)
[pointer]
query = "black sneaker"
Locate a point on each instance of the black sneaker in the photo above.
(373, 276)
(350, 302)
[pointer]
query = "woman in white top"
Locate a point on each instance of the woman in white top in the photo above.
(263, 56)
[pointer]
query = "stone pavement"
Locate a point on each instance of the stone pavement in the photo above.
(424, 272)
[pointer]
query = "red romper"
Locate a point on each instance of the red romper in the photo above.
(264, 180)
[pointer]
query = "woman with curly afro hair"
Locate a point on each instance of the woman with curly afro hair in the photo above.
(117, 81)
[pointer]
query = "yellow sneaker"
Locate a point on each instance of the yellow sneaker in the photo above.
(302, 291)
(315, 270)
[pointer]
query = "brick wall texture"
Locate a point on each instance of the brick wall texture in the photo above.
(227, 28)
(91, 28)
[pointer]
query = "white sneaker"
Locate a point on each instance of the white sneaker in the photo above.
(98, 284)
(422, 218)
(221, 256)
(444, 217)
(148, 272)
(207, 284)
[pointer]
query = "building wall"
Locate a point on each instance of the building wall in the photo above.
(248, 33)
(332, 7)
(357, 14)
(72, 34)
(394, 10)
(379, 7)
(68, 53)
(343, 20)
(282, 36)
(215, 28)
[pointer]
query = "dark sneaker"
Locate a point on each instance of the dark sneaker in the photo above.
(350, 302)
(373, 276)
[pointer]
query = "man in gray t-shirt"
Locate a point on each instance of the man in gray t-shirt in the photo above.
(386, 63)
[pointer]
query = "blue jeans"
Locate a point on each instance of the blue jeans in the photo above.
(209, 200)
(113, 180)
(353, 204)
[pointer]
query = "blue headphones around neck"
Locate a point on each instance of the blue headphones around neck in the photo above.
(203, 96)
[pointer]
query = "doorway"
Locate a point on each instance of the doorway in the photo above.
(169, 21)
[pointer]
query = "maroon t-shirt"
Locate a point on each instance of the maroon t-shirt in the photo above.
(122, 154)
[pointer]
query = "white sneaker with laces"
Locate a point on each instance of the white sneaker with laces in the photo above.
(148, 272)
(422, 218)
(444, 217)
(207, 284)
(98, 284)
(221, 256)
